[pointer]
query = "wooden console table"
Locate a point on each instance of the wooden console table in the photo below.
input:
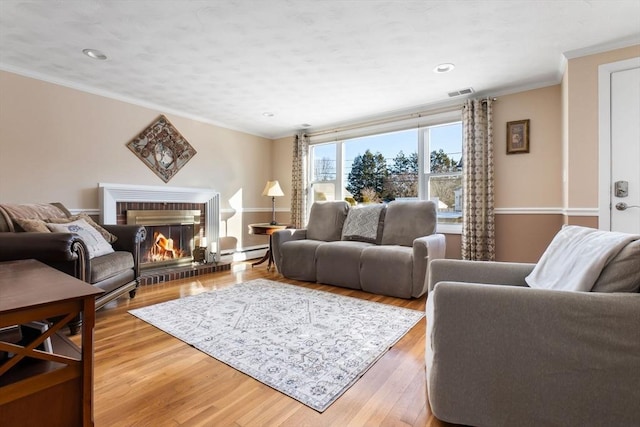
(37, 387)
(266, 229)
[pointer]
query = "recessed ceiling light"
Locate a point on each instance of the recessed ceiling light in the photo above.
(444, 68)
(95, 54)
(268, 114)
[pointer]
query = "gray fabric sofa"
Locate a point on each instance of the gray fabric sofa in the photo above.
(500, 353)
(382, 249)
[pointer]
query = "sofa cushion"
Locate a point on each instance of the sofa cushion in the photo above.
(622, 273)
(405, 221)
(32, 225)
(387, 270)
(298, 259)
(96, 244)
(28, 210)
(338, 263)
(107, 236)
(110, 265)
(364, 223)
(326, 220)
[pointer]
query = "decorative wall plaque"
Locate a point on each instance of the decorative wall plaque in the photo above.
(162, 148)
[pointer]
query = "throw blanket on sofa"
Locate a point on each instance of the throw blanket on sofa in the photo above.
(576, 257)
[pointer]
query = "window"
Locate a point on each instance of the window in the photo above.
(324, 172)
(443, 170)
(419, 163)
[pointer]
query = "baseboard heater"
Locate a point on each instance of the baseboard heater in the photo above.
(244, 253)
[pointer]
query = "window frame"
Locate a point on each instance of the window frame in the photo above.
(448, 228)
(421, 124)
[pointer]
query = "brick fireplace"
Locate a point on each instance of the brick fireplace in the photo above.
(117, 201)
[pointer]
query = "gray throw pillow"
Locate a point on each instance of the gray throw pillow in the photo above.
(363, 223)
(96, 244)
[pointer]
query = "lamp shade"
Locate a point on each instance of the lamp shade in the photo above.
(272, 189)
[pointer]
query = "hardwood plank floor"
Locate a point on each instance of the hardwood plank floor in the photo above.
(145, 377)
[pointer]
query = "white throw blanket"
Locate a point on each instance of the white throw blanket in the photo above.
(576, 257)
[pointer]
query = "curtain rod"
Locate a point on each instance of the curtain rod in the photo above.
(392, 119)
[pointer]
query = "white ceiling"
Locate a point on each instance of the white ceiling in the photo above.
(321, 62)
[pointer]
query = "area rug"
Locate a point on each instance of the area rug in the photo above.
(310, 345)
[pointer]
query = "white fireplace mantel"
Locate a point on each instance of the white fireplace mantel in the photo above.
(111, 194)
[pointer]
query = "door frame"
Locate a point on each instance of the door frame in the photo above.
(604, 136)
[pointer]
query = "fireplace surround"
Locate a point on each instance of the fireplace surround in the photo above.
(113, 197)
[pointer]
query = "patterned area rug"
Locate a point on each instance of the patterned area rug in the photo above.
(310, 345)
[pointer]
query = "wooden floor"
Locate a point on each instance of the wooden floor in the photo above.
(145, 377)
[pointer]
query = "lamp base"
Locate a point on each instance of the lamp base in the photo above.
(273, 223)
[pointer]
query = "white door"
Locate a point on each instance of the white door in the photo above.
(625, 151)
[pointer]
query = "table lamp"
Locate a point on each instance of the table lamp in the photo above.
(273, 190)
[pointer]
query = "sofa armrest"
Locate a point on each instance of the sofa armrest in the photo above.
(64, 251)
(129, 236)
(509, 355)
(487, 272)
(281, 236)
(425, 250)
(56, 247)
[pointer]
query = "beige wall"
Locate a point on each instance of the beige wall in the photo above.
(581, 137)
(57, 144)
(529, 180)
(524, 237)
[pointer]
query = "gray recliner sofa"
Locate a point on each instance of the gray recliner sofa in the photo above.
(384, 249)
(501, 353)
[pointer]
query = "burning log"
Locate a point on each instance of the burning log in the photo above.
(162, 247)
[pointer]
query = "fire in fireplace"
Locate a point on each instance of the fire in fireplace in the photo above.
(172, 235)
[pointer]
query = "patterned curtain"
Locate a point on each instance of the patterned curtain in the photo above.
(299, 181)
(478, 228)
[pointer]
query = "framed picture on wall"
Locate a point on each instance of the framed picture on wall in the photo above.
(518, 137)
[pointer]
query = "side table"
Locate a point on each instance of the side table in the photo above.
(40, 387)
(266, 229)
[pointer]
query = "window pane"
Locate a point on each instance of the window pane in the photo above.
(382, 167)
(445, 148)
(324, 162)
(446, 191)
(323, 191)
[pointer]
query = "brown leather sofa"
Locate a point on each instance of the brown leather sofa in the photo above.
(116, 273)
